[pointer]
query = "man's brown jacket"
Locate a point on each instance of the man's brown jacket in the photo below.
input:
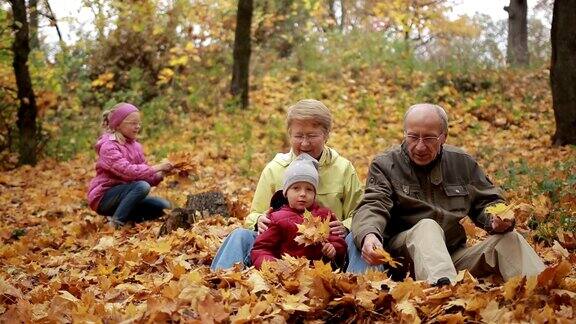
(399, 193)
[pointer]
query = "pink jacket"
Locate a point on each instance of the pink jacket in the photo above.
(118, 164)
(280, 236)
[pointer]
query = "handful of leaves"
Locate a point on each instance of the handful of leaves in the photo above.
(385, 257)
(501, 210)
(313, 230)
(183, 163)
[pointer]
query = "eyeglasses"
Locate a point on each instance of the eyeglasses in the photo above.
(308, 137)
(132, 123)
(428, 140)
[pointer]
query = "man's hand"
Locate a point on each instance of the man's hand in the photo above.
(337, 228)
(371, 242)
(329, 250)
(501, 225)
(264, 221)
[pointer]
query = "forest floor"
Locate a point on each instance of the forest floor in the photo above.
(61, 262)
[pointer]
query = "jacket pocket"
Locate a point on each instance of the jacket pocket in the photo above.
(407, 190)
(457, 198)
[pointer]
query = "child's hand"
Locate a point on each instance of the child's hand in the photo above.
(164, 166)
(329, 250)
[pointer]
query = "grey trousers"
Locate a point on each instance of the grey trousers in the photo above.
(509, 254)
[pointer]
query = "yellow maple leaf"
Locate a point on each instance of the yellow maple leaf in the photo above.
(385, 257)
(501, 210)
(312, 230)
(179, 61)
(511, 287)
(292, 303)
(407, 289)
(257, 282)
(408, 311)
(105, 243)
(492, 312)
(103, 79)
(160, 246)
(165, 76)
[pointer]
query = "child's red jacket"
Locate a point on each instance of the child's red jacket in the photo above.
(278, 239)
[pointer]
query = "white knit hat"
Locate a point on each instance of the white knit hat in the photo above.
(303, 168)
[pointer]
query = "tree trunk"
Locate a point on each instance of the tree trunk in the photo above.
(517, 51)
(33, 12)
(343, 15)
(27, 110)
(332, 5)
(563, 71)
(241, 66)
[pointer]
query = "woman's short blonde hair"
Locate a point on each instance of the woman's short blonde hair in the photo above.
(310, 110)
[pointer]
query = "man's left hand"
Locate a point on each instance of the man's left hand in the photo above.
(338, 229)
(500, 226)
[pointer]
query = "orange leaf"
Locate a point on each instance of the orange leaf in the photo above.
(313, 230)
(384, 257)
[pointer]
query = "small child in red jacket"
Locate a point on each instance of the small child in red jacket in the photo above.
(297, 196)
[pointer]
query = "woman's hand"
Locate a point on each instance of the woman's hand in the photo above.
(337, 228)
(371, 242)
(329, 250)
(264, 221)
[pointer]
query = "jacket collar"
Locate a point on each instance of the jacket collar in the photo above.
(311, 209)
(434, 168)
(114, 137)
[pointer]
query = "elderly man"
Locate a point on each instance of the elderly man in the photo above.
(415, 196)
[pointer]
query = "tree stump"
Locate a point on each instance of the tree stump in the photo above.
(198, 206)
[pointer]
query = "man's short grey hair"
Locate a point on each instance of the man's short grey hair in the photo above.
(439, 111)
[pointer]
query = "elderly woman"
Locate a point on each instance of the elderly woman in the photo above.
(309, 123)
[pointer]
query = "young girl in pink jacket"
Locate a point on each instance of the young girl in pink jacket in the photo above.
(123, 178)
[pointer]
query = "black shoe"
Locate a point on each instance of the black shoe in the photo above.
(444, 281)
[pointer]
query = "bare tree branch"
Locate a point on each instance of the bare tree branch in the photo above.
(54, 22)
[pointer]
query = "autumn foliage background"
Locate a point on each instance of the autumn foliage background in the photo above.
(60, 262)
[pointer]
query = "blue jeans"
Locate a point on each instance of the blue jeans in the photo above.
(236, 248)
(130, 202)
(355, 262)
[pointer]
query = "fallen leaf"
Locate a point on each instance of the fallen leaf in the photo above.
(408, 311)
(501, 210)
(384, 257)
(212, 312)
(257, 283)
(105, 243)
(560, 250)
(492, 313)
(292, 303)
(312, 230)
(512, 286)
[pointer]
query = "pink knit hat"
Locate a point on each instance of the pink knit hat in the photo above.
(120, 112)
